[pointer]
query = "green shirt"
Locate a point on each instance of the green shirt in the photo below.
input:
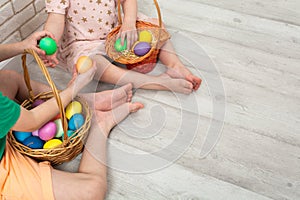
(9, 114)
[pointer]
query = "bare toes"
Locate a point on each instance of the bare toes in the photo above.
(133, 107)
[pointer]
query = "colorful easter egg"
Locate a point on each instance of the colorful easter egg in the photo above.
(59, 128)
(20, 136)
(141, 48)
(58, 116)
(47, 131)
(73, 108)
(76, 121)
(145, 36)
(37, 103)
(35, 133)
(33, 142)
(118, 45)
(83, 64)
(48, 45)
(52, 144)
(70, 133)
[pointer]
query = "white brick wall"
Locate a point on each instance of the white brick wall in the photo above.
(18, 19)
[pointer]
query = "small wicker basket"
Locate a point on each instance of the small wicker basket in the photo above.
(142, 64)
(71, 146)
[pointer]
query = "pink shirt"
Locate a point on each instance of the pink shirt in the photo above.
(85, 19)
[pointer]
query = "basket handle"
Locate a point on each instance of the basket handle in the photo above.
(157, 8)
(51, 83)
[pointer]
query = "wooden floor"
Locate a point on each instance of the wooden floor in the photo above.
(252, 48)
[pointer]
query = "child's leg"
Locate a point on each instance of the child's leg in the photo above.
(99, 100)
(176, 69)
(12, 85)
(107, 72)
(169, 58)
(90, 182)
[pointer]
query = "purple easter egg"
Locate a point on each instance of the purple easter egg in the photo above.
(37, 103)
(142, 48)
(48, 131)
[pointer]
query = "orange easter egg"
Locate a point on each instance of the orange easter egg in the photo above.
(83, 64)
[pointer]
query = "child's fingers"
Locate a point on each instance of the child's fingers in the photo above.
(74, 75)
(123, 36)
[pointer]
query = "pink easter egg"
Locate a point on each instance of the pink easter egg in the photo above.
(48, 131)
(35, 133)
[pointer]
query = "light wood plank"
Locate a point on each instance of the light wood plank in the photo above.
(244, 158)
(277, 10)
(173, 182)
(261, 34)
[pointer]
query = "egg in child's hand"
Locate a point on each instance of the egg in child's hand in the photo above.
(145, 36)
(141, 48)
(33, 142)
(118, 45)
(20, 136)
(73, 108)
(48, 45)
(83, 64)
(76, 121)
(52, 144)
(47, 131)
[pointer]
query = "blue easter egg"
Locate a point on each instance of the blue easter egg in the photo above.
(76, 121)
(21, 136)
(70, 133)
(33, 142)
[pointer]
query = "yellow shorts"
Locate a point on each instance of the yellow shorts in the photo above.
(22, 178)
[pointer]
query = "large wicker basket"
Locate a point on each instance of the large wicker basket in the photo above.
(71, 146)
(146, 63)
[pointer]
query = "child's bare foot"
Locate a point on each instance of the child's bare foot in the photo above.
(109, 99)
(180, 71)
(108, 119)
(176, 84)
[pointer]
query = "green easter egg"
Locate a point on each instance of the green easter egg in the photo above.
(48, 45)
(118, 45)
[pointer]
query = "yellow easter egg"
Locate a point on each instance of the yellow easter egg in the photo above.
(145, 36)
(73, 108)
(83, 64)
(50, 144)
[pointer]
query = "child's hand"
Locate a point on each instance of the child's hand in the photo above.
(128, 32)
(50, 60)
(79, 81)
(32, 41)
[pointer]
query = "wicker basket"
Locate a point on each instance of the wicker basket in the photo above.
(71, 146)
(146, 63)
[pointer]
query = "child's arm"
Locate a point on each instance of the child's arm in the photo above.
(31, 120)
(128, 28)
(130, 12)
(55, 24)
(11, 50)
